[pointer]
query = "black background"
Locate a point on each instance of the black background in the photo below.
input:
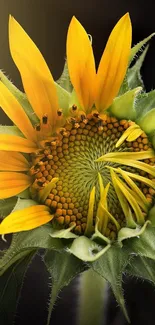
(46, 21)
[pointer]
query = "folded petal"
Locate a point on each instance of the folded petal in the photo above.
(15, 112)
(113, 64)
(13, 161)
(12, 183)
(81, 63)
(36, 77)
(11, 142)
(26, 219)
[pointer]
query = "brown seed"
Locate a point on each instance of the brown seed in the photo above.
(65, 206)
(77, 230)
(62, 199)
(63, 212)
(48, 202)
(73, 218)
(61, 220)
(72, 224)
(59, 205)
(54, 204)
(67, 220)
(83, 226)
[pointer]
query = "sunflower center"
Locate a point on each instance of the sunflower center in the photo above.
(86, 156)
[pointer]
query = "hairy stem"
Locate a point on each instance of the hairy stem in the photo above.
(93, 292)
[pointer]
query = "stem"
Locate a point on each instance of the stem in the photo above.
(93, 292)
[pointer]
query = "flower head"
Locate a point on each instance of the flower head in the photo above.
(88, 170)
(83, 159)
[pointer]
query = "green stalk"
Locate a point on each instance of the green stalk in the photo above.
(93, 292)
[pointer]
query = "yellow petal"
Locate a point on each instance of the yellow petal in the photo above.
(113, 64)
(15, 112)
(36, 77)
(89, 225)
(140, 155)
(26, 219)
(81, 63)
(13, 161)
(11, 142)
(12, 183)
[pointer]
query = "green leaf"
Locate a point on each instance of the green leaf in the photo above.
(125, 232)
(139, 47)
(63, 233)
(124, 106)
(63, 99)
(86, 249)
(27, 241)
(147, 122)
(74, 100)
(145, 103)
(133, 74)
(151, 216)
(63, 267)
(143, 268)
(24, 194)
(23, 203)
(111, 267)
(64, 80)
(145, 244)
(124, 87)
(20, 96)
(6, 206)
(10, 287)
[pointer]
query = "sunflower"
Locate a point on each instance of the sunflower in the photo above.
(88, 167)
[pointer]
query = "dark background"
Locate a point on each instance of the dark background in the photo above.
(46, 21)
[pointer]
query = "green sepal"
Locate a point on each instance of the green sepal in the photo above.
(63, 267)
(24, 194)
(74, 100)
(26, 242)
(23, 203)
(124, 87)
(86, 249)
(133, 74)
(111, 267)
(142, 267)
(153, 140)
(147, 122)
(63, 99)
(125, 233)
(98, 236)
(64, 80)
(20, 96)
(139, 47)
(63, 233)
(143, 245)
(64, 89)
(6, 206)
(151, 216)
(124, 106)
(145, 102)
(10, 288)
